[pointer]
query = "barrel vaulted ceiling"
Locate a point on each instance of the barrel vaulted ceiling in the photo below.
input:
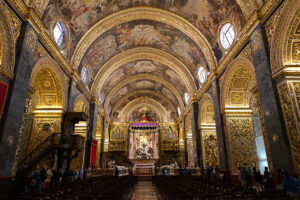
(143, 51)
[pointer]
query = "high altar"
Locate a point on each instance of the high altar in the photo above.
(143, 145)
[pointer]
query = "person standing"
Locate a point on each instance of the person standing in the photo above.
(48, 179)
(258, 179)
(291, 185)
(278, 180)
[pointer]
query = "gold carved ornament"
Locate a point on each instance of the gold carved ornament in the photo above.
(291, 125)
(241, 142)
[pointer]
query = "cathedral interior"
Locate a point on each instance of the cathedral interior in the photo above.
(97, 84)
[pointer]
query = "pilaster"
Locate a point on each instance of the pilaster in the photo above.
(16, 98)
(215, 94)
(270, 104)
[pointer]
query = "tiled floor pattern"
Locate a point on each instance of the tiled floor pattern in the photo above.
(144, 191)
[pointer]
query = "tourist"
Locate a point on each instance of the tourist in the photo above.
(267, 179)
(21, 179)
(278, 180)
(48, 178)
(242, 176)
(291, 185)
(248, 174)
(117, 172)
(37, 178)
(258, 179)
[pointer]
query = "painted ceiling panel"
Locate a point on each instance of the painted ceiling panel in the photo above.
(206, 15)
(142, 67)
(144, 33)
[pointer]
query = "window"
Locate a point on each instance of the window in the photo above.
(60, 34)
(85, 75)
(179, 111)
(227, 35)
(202, 74)
(186, 98)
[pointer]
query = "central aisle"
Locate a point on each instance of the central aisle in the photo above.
(144, 191)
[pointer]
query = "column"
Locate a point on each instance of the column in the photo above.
(270, 104)
(196, 133)
(102, 142)
(16, 98)
(91, 133)
(181, 143)
(215, 93)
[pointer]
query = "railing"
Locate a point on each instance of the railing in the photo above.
(40, 151)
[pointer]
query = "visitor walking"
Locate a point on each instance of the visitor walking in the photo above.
(258, 179)
(291, 185)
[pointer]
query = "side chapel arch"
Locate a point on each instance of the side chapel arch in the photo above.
(207, 126)
(238, 80)
(286, 51)
(54, 70)
(235, 96)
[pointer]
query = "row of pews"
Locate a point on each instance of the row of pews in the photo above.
(193, 187)
(104, 188)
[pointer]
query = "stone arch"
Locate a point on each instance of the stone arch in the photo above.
(143, 77)
(137, 54)
(53, 69)
(147, 13)
(152, 104)
(119, 105)
(7, 44)
(286, 50)
(239, 79)
(81, 104)
(206, 111)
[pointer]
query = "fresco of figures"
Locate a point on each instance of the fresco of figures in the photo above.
(144, 85)
(143, 33)
(143, 67)
(84, 14)
(125, 100)
(139, 113)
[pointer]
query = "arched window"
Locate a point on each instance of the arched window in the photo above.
(227, 35)
(202, 74)
(178, 111)
(85, 75)
(186, 98)
(60, 34)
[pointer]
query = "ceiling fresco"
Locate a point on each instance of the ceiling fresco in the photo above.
(143, 67)
(139, 113)
(165, 102)
(143, 33)
(205, 15)
(142, 85)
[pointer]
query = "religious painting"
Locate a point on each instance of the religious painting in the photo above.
(143, 112)
(205, 15)
(142, 85)
(144, 144)
(3, 92)
(143, 67)
(143, 94)
(144, 33)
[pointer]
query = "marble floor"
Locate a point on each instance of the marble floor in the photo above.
(144, 190)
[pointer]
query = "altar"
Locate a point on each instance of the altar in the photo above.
(144, 168)
(143, 141)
